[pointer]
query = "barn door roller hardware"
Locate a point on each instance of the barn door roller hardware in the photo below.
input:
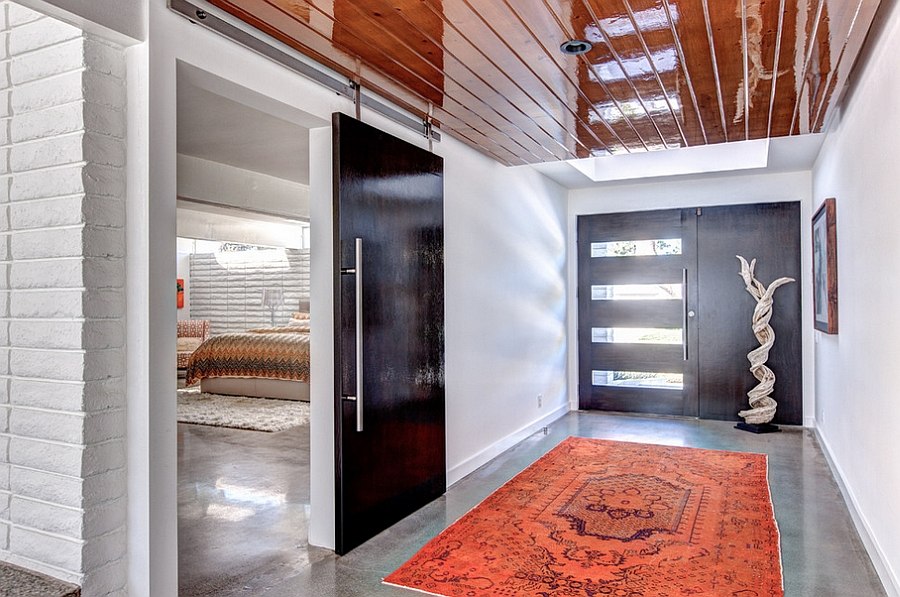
(206, 16)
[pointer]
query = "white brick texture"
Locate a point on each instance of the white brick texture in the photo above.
(62, 301)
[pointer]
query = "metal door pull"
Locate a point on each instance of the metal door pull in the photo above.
(359, 334)
(686, 314)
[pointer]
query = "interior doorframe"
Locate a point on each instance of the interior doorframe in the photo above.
(151, 237)
(152, 474)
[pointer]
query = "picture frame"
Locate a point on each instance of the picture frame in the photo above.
(825, 285)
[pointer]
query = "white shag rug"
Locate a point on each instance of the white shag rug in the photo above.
(240, 412)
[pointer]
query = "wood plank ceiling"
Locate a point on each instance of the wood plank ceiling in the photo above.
(661, 73)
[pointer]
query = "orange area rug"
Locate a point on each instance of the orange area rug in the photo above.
(595, 517)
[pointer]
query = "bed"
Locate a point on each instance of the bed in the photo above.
(266, 363)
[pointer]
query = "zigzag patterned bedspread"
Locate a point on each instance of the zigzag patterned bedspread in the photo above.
(275, 353)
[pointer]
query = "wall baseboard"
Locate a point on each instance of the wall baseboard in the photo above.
(809, 422)
(468, 465)
(879, 560)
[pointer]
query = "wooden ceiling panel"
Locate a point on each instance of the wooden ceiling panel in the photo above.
(547, 66)
(726, 32)
(764, 34)
(844, 63)
(661, 73)
(553, 90)
(649, 24)
(635, 69)
(689, 24)
(791, 50)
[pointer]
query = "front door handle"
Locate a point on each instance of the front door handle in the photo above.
(685, 314)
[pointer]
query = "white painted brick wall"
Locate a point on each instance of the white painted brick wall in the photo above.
(62, 301)
(230, 296)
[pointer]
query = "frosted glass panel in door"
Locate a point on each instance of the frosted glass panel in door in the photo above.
(636, 248)
(636, 292)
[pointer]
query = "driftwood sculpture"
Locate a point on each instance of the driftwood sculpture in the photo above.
(762, 406)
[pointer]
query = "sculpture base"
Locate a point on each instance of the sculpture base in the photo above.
(754, 428)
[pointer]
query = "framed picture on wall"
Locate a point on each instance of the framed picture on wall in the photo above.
(825, 289)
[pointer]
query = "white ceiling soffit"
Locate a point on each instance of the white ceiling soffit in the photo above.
(215, 182)
(217, 123)
(727, 157)
(783, 154)
(225, 225)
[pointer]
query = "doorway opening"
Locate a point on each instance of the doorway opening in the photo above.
(243, 294)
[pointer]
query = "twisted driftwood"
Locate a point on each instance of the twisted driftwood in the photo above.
(762, 406)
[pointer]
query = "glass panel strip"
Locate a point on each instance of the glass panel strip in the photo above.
(636, 335)
(638, 379)
(636, 292)
(636, 248)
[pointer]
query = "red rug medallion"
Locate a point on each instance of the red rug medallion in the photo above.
(595, 517)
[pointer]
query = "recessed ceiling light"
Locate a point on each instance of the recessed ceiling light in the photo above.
(575, 47)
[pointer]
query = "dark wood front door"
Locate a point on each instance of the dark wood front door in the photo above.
(635, 350)
(389, 314)
(664, 319)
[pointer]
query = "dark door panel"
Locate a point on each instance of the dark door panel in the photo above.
(662, 358)
(640, 225)
(653, 314)
(663, 269)
(390, 441)
(770, 233)
(636, 400)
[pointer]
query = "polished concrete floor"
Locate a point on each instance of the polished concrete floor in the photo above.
(243, 500)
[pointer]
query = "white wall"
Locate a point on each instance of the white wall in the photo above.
(857, 413)
(505, 271)
(696, 191)
(505, 264)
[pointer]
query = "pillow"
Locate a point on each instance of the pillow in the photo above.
(299, 315)
(188, 344)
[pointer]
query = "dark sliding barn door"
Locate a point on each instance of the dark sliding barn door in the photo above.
(663, 316)
(389, 314)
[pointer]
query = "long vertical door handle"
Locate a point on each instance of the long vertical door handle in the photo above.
(684, 313)
(359, 334)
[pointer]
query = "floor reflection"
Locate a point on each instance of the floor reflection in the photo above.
(222, 472)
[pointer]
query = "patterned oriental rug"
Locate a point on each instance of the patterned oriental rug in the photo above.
(595, 517)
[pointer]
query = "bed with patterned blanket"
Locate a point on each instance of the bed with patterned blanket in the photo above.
(268, 362)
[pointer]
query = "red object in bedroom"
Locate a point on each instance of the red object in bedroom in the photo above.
(597, 517)
(179, 285)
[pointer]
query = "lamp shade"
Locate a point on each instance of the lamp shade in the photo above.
(272, 297)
